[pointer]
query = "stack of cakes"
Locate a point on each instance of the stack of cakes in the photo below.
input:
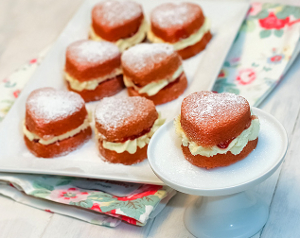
(100, 67)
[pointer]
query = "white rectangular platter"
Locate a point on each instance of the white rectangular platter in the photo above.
(201, 70)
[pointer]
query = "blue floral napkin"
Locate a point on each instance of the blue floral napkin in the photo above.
(264, 49)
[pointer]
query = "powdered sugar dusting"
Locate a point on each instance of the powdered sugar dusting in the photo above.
(88, 51)
(115, 13)
(169, 14)
(48, 104)
(145, 56)
(113, 113)
(209, 107)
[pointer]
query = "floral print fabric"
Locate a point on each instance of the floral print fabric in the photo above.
(11, 86)
(267, 44)
(134, 203)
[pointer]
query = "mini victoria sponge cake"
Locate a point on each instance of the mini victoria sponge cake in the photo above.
(153, 71)
(123, 128)
(56, 122)
(120, 22)
(93, 69)
(216, 129)
(183, 25)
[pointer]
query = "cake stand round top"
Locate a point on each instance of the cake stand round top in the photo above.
(168, 162)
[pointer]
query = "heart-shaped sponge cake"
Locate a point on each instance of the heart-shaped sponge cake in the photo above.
(216, 129)
(153, 71)
(93, 69)
(121, 22)
(183, 25)
(56, 122)
(124, 127)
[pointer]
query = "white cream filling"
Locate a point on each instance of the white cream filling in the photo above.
(154, 87)
(32, 136)
(191, 40)
(90, 84)
(131, 145)
(235, 147)
(125, 43)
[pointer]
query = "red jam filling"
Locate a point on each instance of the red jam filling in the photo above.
(225, 144)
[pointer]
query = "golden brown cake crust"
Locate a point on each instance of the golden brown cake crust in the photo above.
(196, 48)
(117, 119)
(167, 94)
(59, 148)
(210, 119)
(146, 63)
(114, 20)
(87, 59)
(51, 112)
(173, 22)
(218, 160)
(107, 88)
(125, 157)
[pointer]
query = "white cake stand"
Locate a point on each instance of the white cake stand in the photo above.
(225, 210)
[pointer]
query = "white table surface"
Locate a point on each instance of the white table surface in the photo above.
(27, 27)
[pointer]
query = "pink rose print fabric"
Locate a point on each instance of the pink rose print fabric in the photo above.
(135, 204)
(71, 194)
(265, 47)
(246, 76)
(11, 86)
(275, 59)
(272, 22)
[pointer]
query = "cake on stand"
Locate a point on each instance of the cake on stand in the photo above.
(226, 208)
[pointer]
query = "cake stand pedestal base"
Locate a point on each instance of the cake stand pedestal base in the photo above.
(233, 216)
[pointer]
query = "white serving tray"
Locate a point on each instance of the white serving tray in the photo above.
(201, 70)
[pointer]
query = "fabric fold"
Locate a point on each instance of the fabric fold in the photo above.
(103, 202)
